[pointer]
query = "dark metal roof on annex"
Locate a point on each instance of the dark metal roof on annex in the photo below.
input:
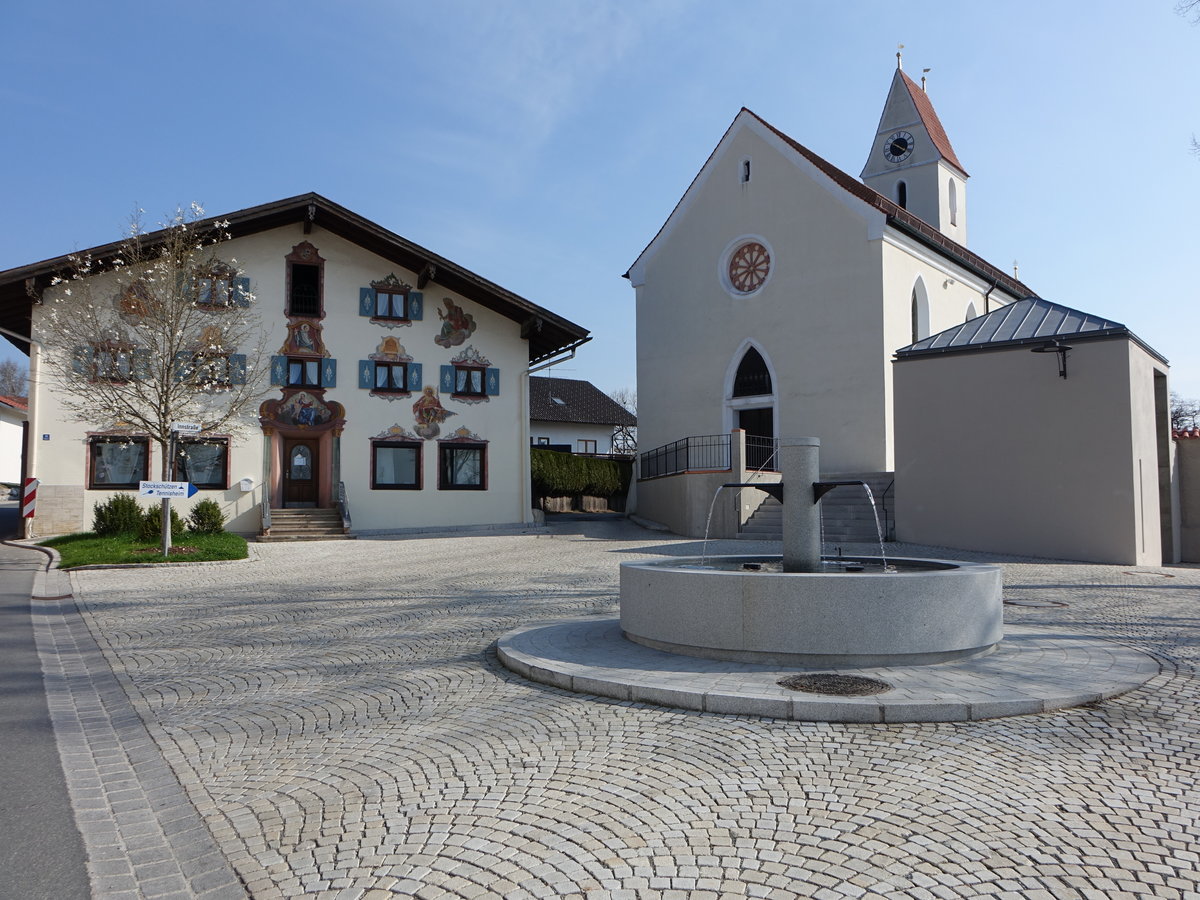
(571, 400)
(1029, 321)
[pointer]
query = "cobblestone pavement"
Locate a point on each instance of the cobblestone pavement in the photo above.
(337, 717)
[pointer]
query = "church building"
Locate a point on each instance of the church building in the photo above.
(776, 295)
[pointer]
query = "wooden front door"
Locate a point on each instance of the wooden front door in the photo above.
(299, 472)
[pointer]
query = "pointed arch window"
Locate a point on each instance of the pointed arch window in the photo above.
(753, 377)
(953, 198)
(920, 312)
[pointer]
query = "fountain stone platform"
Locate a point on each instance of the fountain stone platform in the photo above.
(736, 608)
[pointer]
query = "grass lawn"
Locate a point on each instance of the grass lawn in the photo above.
(88, 549)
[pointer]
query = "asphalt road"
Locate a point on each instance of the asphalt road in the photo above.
(41, 851)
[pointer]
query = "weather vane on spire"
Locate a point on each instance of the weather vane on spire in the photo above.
(899, 63)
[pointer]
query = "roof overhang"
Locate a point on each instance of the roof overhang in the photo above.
(547, 332)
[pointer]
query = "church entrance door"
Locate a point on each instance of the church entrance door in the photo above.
(759, 425)
(299, 473)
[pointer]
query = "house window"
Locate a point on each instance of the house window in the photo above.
(118, 463)
(111, 364)
(220, 286)
(395, 466)
(462, 467)
(543, 442)
(391, 304)
(305, 277)
(468, 382)
(745, 171)
(586, 446)
(204, 462)
(391, 377)
(304, 372)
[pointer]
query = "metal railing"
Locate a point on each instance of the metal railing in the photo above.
(760, 453)
(344, 505)
(703, 452)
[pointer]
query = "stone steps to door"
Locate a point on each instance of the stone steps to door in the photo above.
(846, 514)
(306, 525)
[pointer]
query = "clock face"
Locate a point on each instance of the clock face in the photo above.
(898, 147)
(749, 267)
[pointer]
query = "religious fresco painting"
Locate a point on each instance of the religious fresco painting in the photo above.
(396, 432)
(302, 410)
(457, 325)
(430, 414)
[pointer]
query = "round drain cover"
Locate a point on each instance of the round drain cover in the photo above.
(832, 683)
(1035, 604)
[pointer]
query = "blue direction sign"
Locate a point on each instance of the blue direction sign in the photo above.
(166, 489)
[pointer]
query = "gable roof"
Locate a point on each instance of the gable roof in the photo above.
(547, 332)
(571, 400)
(897, 217)
(929, 118)
(21, 404)
(1029, 321)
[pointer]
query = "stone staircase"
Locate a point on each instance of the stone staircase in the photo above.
(306, 525)
(845, 512)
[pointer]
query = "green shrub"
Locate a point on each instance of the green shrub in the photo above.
(206, 518)
(119, 514)
(151, 528)
(563, 475)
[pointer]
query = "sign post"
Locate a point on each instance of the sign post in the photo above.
(165, 490)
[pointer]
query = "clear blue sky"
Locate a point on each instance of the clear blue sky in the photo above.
(543, 143)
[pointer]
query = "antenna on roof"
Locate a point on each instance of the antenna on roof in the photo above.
(1015, 269)
(899, 64)
(924, 72)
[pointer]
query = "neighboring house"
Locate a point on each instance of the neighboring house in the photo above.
(774, 298)
(13, 413)
(396, 376)
(577, 414)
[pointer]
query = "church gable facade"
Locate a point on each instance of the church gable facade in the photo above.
(774, 250)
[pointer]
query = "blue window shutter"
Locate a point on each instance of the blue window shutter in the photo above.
(329, 373)
(366, 374)
(279, 370)
(447, 379)
(241, 294)
(237, 368)
(414, 376)
(81, 360)
(141, 364)
(491, 383)
(366, 301)
(416, 304)
(182, 366)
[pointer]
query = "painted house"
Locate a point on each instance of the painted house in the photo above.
(567, 412)
(395, 384)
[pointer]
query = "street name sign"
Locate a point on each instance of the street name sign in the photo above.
(166, 489)
(186, 427)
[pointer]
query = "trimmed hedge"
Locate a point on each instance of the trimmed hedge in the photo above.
(564, 475)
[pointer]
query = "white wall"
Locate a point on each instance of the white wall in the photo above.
(996, 452)
(571, 433)
(10, 445)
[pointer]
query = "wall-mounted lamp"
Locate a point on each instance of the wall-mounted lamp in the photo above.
(1055, 347)
(949, 281)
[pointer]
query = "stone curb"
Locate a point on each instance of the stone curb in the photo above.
(1038, 670)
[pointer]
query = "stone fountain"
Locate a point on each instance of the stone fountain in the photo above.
(804, 610)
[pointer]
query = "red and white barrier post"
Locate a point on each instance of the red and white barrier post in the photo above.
(29, 498)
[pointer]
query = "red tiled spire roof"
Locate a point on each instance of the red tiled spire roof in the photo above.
(929, 118)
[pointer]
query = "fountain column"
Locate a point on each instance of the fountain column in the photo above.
(800, 466)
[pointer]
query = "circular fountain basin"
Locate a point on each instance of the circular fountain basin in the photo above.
(926, 611)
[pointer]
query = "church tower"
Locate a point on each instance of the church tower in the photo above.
(912, 162)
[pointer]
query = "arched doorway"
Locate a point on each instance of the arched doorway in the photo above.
(750, 393)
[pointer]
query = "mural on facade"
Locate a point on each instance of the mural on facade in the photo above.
(395, 432)
(457, 325)
(302, 410)
(430, 414)
(304, 338)
(465, 435)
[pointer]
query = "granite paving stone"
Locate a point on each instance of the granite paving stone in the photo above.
(333, 720)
